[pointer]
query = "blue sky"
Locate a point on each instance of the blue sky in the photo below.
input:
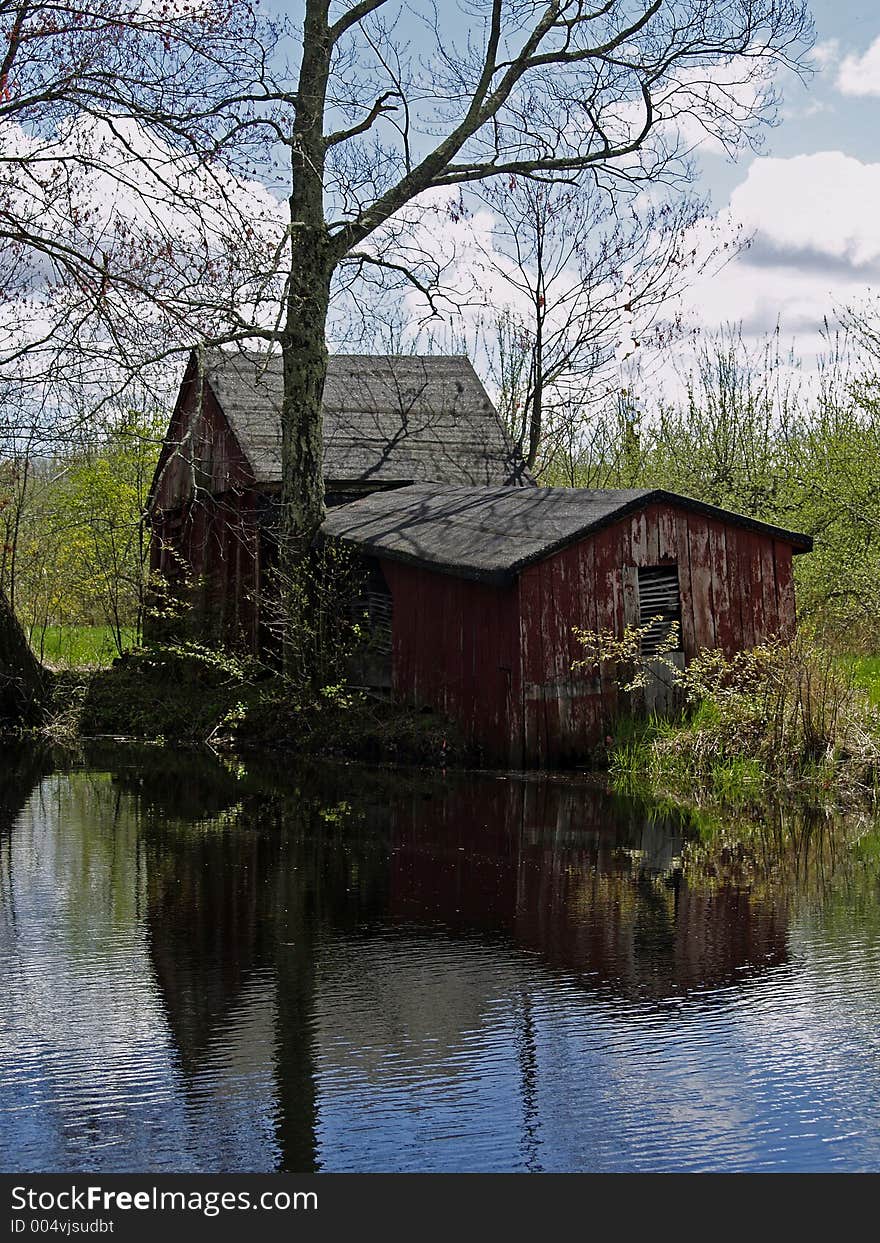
(809, 197)
(817, 116)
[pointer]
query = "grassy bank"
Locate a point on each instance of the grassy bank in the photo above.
(866, 673)
(192, 695)
(784, 719)
(776, 720)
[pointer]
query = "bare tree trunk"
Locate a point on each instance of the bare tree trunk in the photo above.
(304, 345)
(23, 680)
(304, 356)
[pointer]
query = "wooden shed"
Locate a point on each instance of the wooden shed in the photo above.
(389, 421)
(486, 585)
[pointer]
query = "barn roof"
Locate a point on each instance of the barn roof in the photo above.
(387, 418)
(491, 534)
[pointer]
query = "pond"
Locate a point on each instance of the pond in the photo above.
(209, 967)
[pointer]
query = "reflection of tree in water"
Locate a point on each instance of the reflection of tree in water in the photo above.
(788, 849)
(21, 770)
(239, 896)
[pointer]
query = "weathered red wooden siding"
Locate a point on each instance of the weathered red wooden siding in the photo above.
(736, 590)
(456, 648)
(455, 641)
(203, 519)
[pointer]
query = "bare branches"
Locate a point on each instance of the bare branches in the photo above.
(380, 105)
(428, 292)
(579, 87)
(355, 14)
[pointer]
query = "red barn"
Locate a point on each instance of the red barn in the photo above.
(486, 585)
(388, 421)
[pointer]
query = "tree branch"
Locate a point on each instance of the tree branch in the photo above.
(380, 106)
(354, 15)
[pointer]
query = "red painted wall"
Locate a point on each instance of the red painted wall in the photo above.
(499, 660)
(456, 648)
(203, 523)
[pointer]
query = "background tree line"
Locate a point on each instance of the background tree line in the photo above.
(73, 545)
(756, 434)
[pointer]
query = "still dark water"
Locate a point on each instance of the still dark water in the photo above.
(204, 967)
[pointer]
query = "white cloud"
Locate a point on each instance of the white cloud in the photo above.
(860, 75)
(825, 203)
(826, 53)
(815, 249)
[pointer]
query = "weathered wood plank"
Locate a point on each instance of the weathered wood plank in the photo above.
(639, 542)
(629, 576)
(700, 557)
(532, 663)
(682, 548)
(785, 599)
(752, 565)
(768, 586)
(726, 633)
(667, 536)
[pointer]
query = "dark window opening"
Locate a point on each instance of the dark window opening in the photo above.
(659, 606)
(375, 602)
(373, 611)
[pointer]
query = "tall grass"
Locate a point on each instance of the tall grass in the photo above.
(781, 717)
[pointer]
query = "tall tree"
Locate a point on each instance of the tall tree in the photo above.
(581, 272)
(119, 226)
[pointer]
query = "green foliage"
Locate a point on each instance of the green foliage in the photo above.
(778, 716)
(78, 550)
(194, 694)
(310, 611)
(80, 647)
(865, 671)
(181, 693)
(624, 651)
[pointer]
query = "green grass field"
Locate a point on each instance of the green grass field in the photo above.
(867, 673)
(79, 647)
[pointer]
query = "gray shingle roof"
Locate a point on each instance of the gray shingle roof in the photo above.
(490, 534)
(387, 418)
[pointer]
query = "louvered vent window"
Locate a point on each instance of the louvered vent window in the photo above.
(378, 605)
(375, 602)
(659, 605)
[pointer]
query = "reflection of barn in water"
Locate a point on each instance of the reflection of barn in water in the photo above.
(589, 882)
(311, 944)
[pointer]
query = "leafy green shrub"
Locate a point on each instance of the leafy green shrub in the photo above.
(782, 714)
